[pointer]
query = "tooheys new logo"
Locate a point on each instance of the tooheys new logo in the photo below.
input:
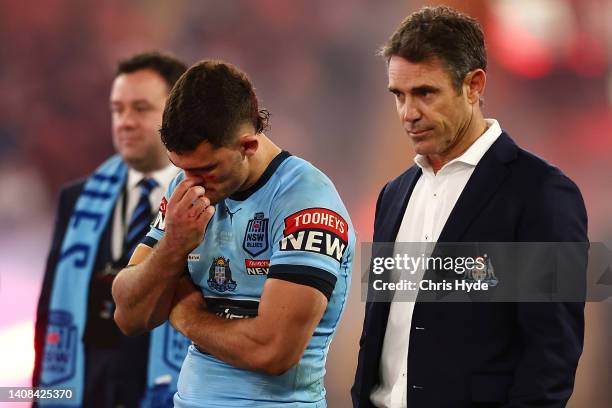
(316, 230)
(257, 266)
(160, 221)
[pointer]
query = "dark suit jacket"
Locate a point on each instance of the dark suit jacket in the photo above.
(486, 354)
(107, 376)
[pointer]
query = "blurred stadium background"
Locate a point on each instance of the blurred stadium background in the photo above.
(315, 69)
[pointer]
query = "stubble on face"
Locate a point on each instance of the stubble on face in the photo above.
(433, 114)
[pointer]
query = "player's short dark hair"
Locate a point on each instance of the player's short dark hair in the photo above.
(453, 37)
(165, 65)
(208, 104)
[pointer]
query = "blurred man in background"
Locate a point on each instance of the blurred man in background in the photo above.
(99, 222)
(470, 183)
(268, 243)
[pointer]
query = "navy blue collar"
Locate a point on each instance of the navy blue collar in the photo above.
(268, 172)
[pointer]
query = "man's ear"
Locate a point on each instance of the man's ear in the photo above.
(474, 85)
(249, 144)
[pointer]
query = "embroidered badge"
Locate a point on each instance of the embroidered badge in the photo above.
(483, 271)
(220, 275)
(256, 235)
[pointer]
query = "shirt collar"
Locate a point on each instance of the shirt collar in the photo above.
(475, 152)
(163, 176)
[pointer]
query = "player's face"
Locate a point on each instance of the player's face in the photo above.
(137, 103)
(222, 171)
(434, 116)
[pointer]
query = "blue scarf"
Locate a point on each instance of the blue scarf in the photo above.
(63, 364)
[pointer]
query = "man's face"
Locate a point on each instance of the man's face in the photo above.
(433, 114)
(137, 103)
(222, 171)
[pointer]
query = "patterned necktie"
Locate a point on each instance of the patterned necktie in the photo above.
(141, 218)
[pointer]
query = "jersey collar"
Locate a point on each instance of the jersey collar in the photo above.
(276, 161)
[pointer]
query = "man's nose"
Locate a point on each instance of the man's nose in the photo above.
(409, 112)
(127, 119)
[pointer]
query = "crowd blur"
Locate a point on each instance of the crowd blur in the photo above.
(315, 68)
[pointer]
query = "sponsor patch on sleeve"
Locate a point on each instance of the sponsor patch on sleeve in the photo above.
(316, 230)
(160, 220)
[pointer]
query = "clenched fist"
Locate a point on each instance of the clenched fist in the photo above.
(187, 216)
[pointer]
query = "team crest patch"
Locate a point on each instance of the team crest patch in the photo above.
(317, 230)
(256, 235)
(483, 271)
(175, 347)
(160, 220)
(220, 275)
(59, 361)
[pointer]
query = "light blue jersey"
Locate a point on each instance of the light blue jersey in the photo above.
(290, 225)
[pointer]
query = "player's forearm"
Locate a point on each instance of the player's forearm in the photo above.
(243, 343)
(143, 293)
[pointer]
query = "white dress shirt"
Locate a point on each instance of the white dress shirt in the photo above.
(429, 206)
(132, 192)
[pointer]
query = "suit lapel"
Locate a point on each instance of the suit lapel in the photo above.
(397, 203)
(488, 175)
(392, 207)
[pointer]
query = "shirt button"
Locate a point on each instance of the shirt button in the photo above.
(435, 194)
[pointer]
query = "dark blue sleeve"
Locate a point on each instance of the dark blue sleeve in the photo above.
(552, 333)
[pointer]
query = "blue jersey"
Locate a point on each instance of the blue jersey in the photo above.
(290, 225)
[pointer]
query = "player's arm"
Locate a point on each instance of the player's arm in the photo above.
(143, 291)
(272, 342)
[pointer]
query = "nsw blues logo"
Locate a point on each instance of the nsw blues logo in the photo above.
(175, 347)
(59, 362)
(220, 275)
(256, 235)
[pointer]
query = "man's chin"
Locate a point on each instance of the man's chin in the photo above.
(423, 148)
(134, 160)
(132, 152)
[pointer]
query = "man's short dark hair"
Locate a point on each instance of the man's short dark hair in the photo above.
(442, 32)
(165, 65)
(208, 104)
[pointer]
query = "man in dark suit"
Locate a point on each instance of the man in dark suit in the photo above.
(114, 372)
(470, 183)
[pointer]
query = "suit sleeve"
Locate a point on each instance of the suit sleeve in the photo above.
(358, 389)
(66, 201)
(552, 332)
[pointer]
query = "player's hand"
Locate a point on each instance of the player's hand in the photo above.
(187, 302)
(187, 215)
